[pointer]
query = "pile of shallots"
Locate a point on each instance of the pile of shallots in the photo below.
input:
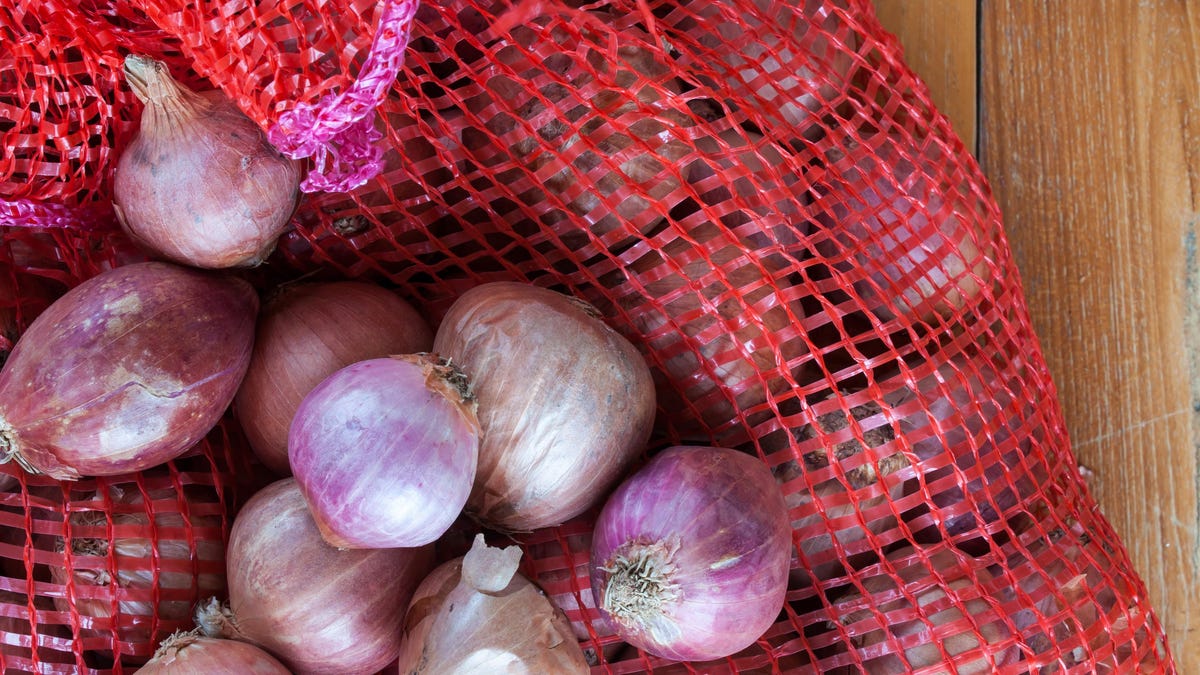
(396, 442)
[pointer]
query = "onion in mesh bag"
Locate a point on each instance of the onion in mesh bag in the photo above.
(789, 60)
(589, 125)
(713, 360)
(928, 615)
(838, 507)
(162, 559)
(909, 245)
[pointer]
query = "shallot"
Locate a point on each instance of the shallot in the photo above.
(850, 508)
(718, 359)
(126, 371)
(385, 451)
(199, 184)
(138, 581)
(936, 591)
(791, 61)
(193, 654)
(306, 331)
(316, 608)
(565, 402)
(909, 245)
(599, 133)
(690, 554)
(476, 614)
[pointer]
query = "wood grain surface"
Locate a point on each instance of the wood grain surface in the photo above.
(1089, 131)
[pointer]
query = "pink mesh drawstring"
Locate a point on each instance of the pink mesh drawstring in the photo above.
(31, 213)
(339, 130)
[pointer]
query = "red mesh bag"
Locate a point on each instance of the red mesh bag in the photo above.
(758, 194)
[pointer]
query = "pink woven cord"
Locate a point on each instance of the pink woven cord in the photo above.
(339, 130)
(30, 213)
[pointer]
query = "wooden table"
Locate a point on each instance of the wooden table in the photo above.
(1085, 116)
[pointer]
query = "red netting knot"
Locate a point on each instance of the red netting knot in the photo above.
(339, 130)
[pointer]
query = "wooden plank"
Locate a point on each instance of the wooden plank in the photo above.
(940, 45)
(1090, 136)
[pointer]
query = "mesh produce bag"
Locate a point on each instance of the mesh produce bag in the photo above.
(758, 194)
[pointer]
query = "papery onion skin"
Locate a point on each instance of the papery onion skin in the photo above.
(565, 402)
(192, 654)
(455, 626)
(385, 451)
(690, 554)
(307, 331)
(126, 371)
(316, 608)
(200, 184)
(179, 558)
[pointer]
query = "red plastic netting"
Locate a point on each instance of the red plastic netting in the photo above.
(759, 194)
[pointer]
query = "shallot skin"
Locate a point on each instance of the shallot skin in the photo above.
(318, 609)
(385, 451)
(565, 402)
(199, 184)
(126, 371)
(306, 331)
(706, 531)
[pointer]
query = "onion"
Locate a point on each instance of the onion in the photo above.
(565, 402)
(316, 608)
(716, 364)
(789, 60)
(910, 246)
(598, 130)
(849, 510)
(306, 332)
(191, 653)
(973, 433)
(126, 371)
(385, 451)
(140, 579)
(199, 184)
(936, 590)
(690, 554)
(476, 614)
(754, 186)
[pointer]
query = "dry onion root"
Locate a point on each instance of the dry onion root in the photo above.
(476, 614)
(200, 184)
(192, 654)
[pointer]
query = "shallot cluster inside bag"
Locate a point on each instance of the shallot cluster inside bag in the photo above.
(757, 193)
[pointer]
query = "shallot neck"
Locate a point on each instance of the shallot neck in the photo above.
(177, 642)
(641, 580)
(166, 100)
